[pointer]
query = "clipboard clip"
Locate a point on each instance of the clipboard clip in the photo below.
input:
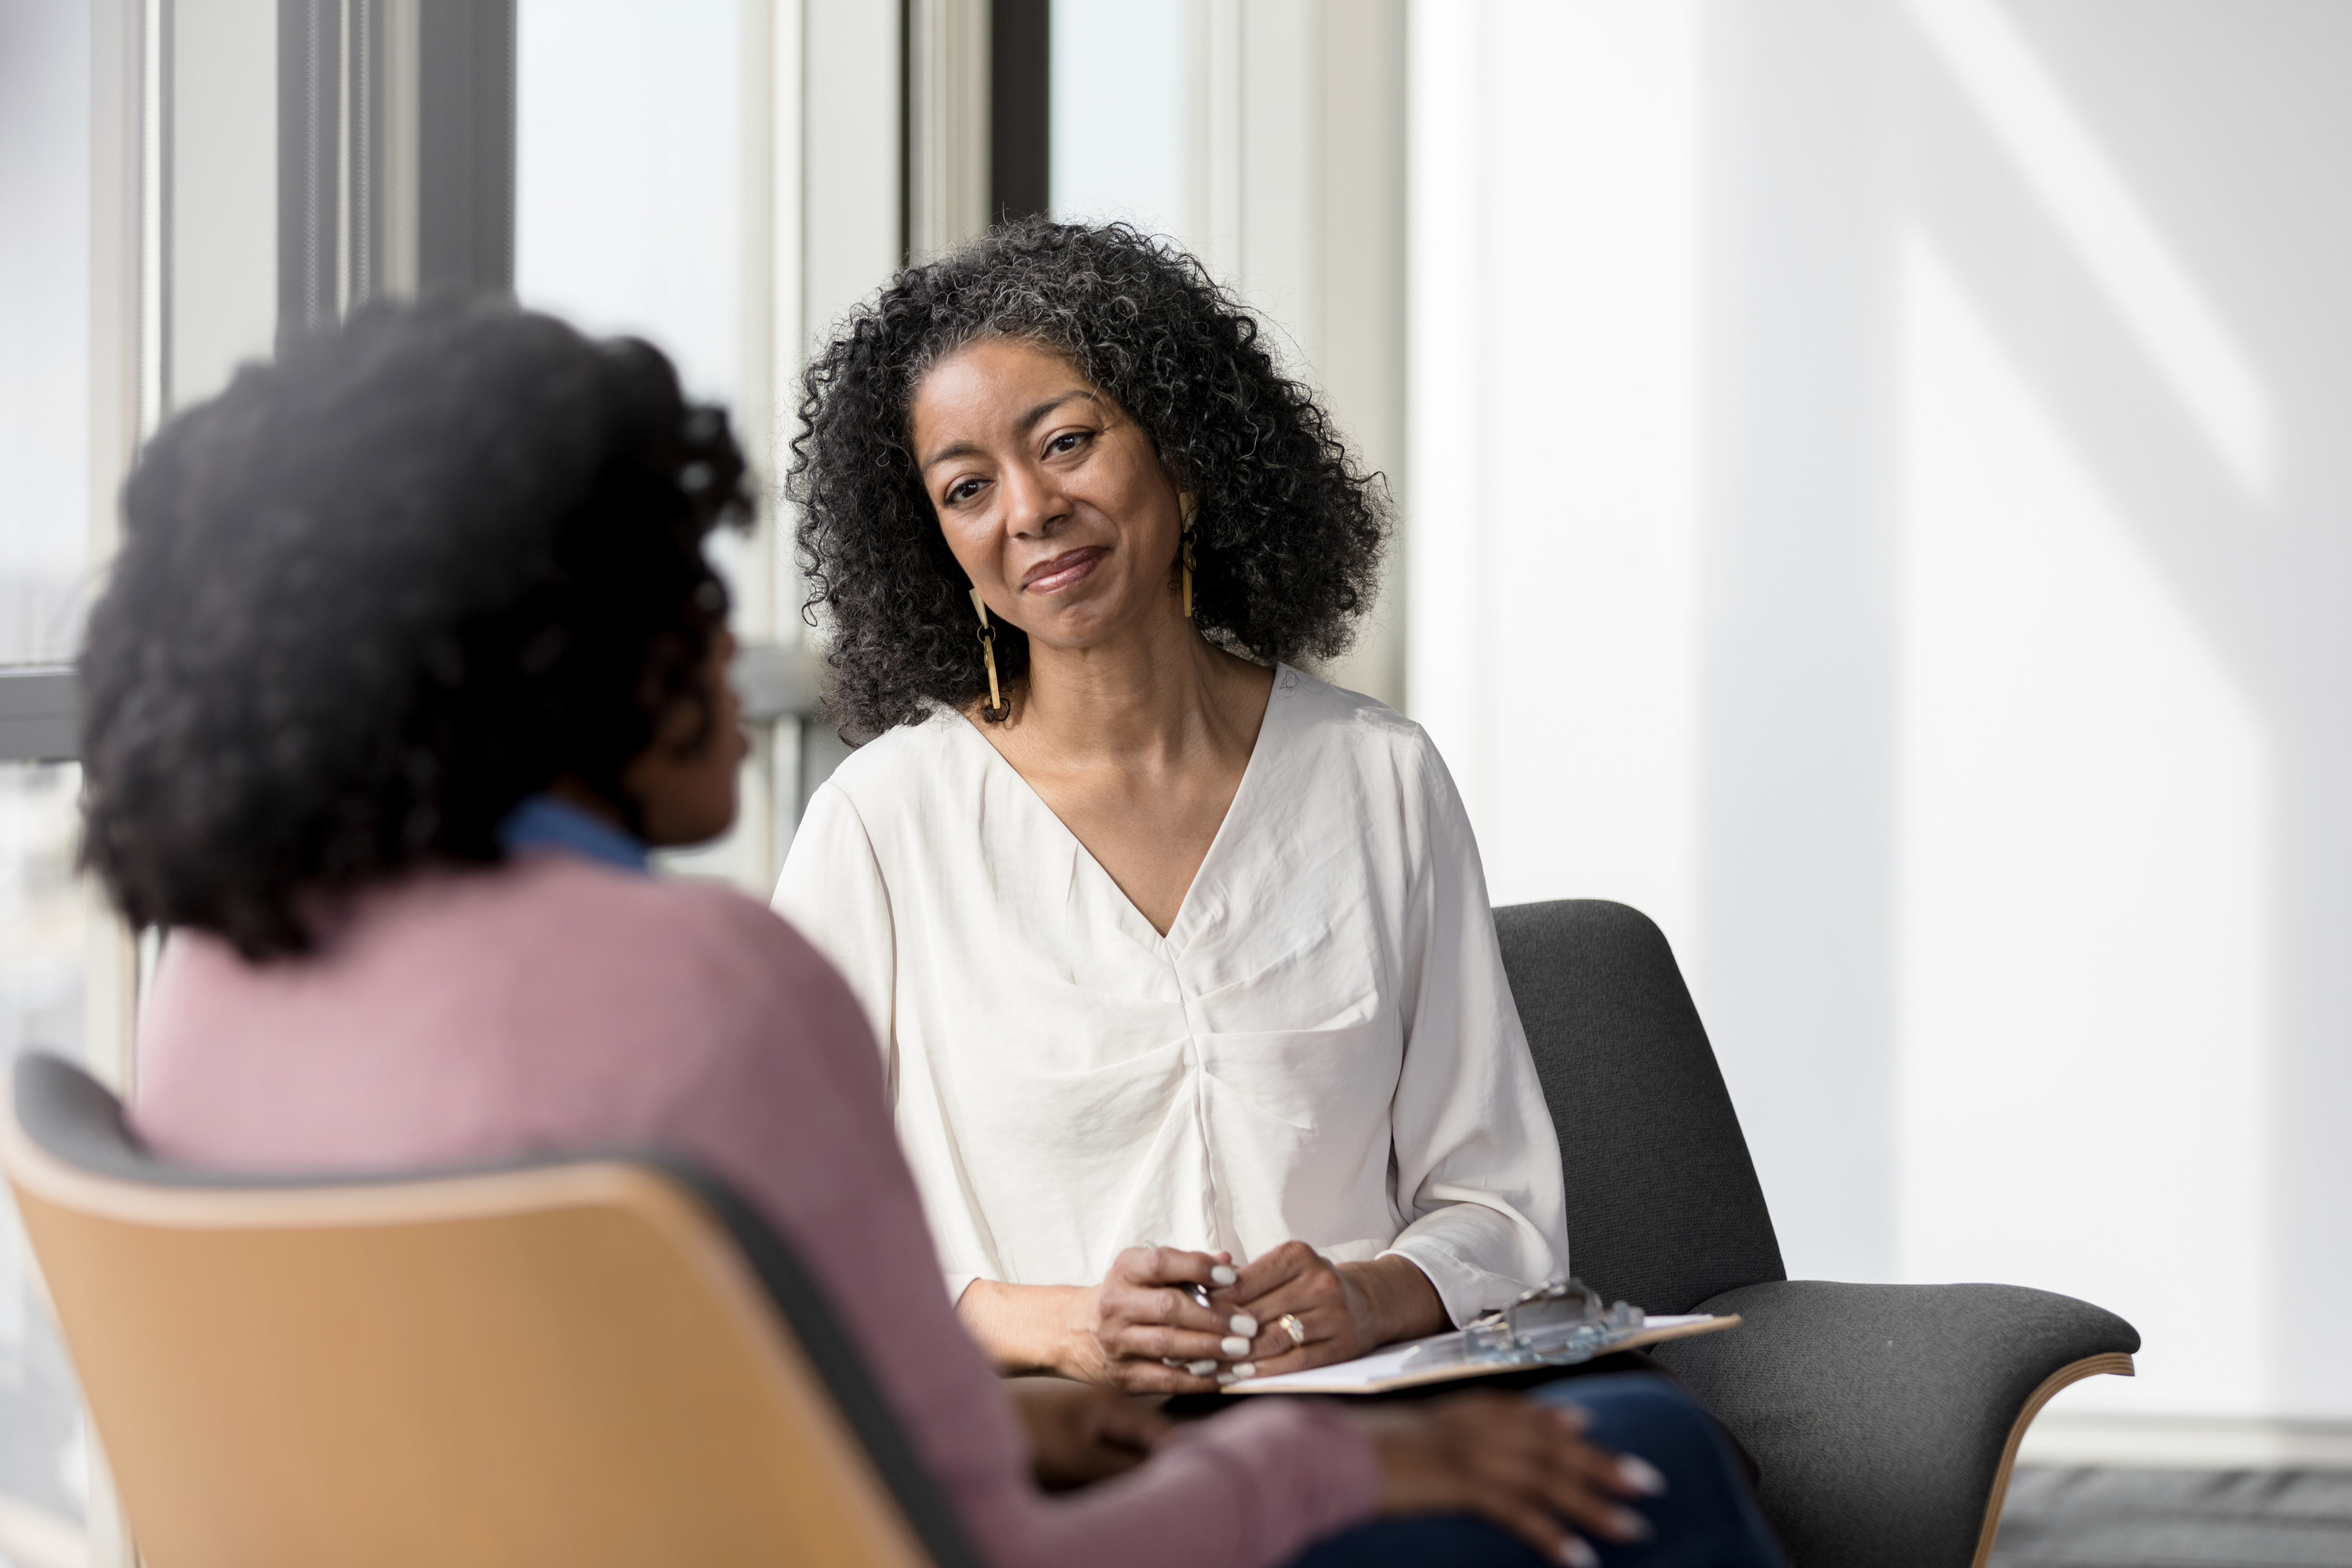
(1557, 1323)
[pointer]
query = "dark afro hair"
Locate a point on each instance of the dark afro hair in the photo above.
(1289, 533)
(376, 592)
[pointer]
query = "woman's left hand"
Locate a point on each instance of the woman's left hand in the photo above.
(1343, 1310)
(1079, 1434)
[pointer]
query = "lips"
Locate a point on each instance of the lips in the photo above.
(1062, 571)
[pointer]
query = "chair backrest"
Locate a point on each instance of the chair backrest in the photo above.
(1664, 1208)
(586, 1361)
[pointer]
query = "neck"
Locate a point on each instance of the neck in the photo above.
(580, 797)
(1148, 696)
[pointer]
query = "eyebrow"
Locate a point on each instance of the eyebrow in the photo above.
(1025, 423)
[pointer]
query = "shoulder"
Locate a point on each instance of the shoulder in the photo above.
(742, 978)
(1362, 762)
(906, 790)
(902, 765)
(906, 752)
(550, 962)
(766, 1061)
(702, 932)
(1329, 724)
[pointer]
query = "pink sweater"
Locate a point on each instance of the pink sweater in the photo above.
(556, 1004)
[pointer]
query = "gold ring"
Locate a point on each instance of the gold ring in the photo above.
(1290, 1325)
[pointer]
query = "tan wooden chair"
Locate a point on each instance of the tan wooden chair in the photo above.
(577, 1362)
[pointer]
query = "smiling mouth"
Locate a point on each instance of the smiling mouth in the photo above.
(1062, 571)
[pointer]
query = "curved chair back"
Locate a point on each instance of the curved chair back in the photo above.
(1664, 1208)
(585, 1361)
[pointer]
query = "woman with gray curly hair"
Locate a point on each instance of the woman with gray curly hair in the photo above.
(1195, 1025)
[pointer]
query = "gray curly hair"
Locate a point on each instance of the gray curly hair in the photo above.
(1290, 530)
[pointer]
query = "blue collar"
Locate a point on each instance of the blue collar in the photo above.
(542, 821)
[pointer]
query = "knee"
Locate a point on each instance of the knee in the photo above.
(1642, 1395)
(1642, 1413)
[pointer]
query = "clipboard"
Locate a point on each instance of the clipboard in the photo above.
(1444, 1358)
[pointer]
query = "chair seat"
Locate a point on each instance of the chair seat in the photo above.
(1884, 1415)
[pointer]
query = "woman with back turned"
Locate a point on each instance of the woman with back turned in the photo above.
(412, 652)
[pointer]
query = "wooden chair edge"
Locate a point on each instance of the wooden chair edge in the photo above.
(2114, 1362)
(658, 1198)
(327, 1201)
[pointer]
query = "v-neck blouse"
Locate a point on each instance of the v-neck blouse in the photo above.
(1323, 1047)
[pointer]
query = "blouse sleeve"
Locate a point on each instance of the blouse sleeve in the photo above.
(833, 893)
(1478, 1162)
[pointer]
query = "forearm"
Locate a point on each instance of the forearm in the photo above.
(1025, 1329)
(1399, 1303)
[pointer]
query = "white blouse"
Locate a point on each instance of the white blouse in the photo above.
(1323, 1047)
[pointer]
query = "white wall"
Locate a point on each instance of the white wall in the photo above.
(1879, 506)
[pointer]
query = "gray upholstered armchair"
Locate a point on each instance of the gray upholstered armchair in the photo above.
(1885, 1417)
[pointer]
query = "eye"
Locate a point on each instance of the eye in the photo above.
(1066, 442)
(962, 491)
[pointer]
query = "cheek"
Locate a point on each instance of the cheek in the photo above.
(730, 746)
(970, 539)
(715, 779)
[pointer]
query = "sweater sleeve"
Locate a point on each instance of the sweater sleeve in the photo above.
(1478, 1162)
(785, 1109)
(1256, 1485)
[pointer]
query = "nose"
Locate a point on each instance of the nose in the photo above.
(1033, 503)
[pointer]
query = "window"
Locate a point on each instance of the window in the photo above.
(44, 929)
(46, 287)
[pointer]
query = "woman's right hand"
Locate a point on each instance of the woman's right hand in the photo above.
(1124, 1331)
(1521, 1465)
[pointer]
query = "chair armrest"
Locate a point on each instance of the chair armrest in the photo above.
(1885, 1417)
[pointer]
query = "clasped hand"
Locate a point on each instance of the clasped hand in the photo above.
(1144, 1331)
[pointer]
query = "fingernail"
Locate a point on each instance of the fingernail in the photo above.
(1577, 1554)
(1236, 1347)
(1244, 1325)
(1629, 1525)
(1642, 1475)
(1200, 1368)
(1223, 1378)
(1244, 1369)
(1221, 1275)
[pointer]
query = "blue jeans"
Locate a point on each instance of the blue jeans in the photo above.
(1707, 1520)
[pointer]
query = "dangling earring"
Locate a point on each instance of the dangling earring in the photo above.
(987, 652)
(1192, 509)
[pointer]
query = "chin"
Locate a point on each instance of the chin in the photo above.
(691, 830)
(1082, 626)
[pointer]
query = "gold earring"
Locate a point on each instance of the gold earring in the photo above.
(1192, 509)
(987, 652)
